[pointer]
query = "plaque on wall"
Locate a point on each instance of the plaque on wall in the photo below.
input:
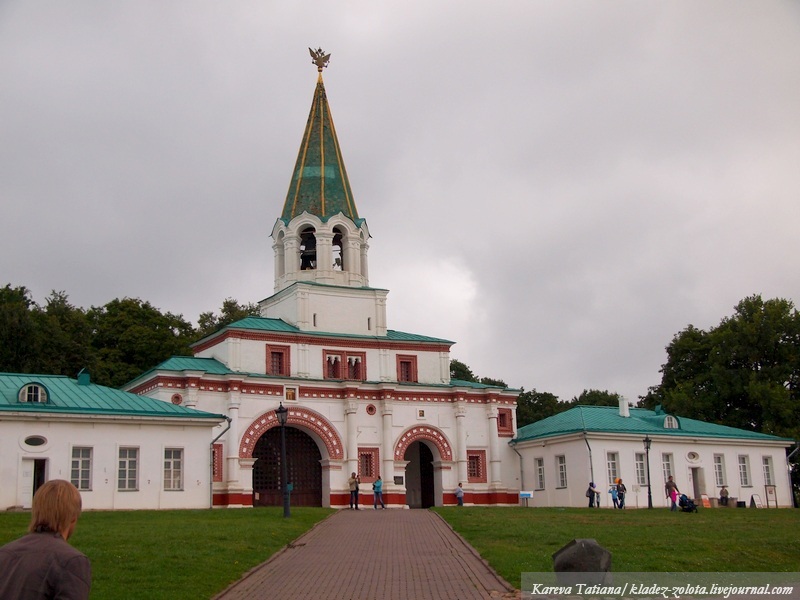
(398, 480)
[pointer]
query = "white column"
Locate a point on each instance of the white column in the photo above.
(291, 258)
(494, 445)
(232, 473)
(387, 447)
(461, 440)
(350, 410)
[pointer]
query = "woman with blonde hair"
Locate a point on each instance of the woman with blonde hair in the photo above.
(42, 564)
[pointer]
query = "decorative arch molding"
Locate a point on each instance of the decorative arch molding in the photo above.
(427, 433)
(303, 418)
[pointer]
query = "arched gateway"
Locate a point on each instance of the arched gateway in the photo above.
(310, 438)
(425, 450)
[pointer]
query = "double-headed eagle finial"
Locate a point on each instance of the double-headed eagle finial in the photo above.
(319, 58)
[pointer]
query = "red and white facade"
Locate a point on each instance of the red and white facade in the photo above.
(365, 398)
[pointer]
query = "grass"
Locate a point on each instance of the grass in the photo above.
(175, 554)
(196, 554)
(517, 540)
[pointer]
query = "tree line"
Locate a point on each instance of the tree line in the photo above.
(115, 342)
(745, 372)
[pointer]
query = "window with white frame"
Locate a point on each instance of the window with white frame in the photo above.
(81, 472)
(128, 469)
(612, 465)
(561, 466)
(641, 468)
(744, 470)
(539, 473)
(173, 469)
(719, 470)
(769, 477)
(34, 393)
(667, 465)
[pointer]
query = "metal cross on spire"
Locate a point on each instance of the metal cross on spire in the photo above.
(319, 58)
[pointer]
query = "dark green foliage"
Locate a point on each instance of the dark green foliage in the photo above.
(458, 370)
(744, 373)
(131, 336)
(231, 312)
(19, 339)
(595, 398)
(534, 406)
(114, 343)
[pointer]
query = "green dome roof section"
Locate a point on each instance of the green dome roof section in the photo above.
(319, 185)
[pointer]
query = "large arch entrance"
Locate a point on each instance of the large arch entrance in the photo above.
(303, 463)
(420, 483)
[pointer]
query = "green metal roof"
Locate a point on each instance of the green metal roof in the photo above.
(319, 183)
(278, 325)
(68, 396)
(606, 419)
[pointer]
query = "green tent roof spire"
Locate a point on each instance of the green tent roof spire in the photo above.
(319, 183)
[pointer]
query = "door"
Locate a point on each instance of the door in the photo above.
(304, 469)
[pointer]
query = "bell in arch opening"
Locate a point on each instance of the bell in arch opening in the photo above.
(308, 249)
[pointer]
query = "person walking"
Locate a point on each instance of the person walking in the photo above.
(353, 484)
(377, 493)
(672, 492)
(591, 494)
(42, 564)
(621, 491)
(460, 494)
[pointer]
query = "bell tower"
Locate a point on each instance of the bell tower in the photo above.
(320, 243)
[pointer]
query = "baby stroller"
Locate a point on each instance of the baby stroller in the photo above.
(686, 504)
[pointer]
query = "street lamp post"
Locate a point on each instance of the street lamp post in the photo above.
(647, 441)
(282, 413)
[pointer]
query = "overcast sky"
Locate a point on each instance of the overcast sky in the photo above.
(560, 187)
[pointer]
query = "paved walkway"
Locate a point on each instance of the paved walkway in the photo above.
(374, 555)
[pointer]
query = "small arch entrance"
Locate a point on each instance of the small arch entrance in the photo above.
(420, 482)
(303, 464)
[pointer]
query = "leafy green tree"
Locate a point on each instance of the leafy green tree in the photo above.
(595, 398)
(743, 373)
(66, 336)
(19, 336)
(459, 370)
(131, 336)
(534, 406)
(230, 312)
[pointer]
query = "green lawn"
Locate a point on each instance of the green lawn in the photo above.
(516, 540)
(195, 554)
(175, 554)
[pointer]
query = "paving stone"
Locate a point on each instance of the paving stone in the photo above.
(370, 554)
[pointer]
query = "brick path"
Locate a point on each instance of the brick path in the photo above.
(374, 555)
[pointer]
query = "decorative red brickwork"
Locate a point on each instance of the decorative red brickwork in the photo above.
(476, 466)
(431, 434)
(368, 464)
(298, 417)
(505, 422)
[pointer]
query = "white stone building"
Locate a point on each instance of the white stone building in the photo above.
(122, 451)
(561, 454)
(361, 397)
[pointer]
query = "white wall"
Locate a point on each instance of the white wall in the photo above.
(105, 438)
(692, 460)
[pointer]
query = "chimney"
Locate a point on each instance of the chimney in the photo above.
(624, 409)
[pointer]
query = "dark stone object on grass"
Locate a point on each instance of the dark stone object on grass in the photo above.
(582, 561)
